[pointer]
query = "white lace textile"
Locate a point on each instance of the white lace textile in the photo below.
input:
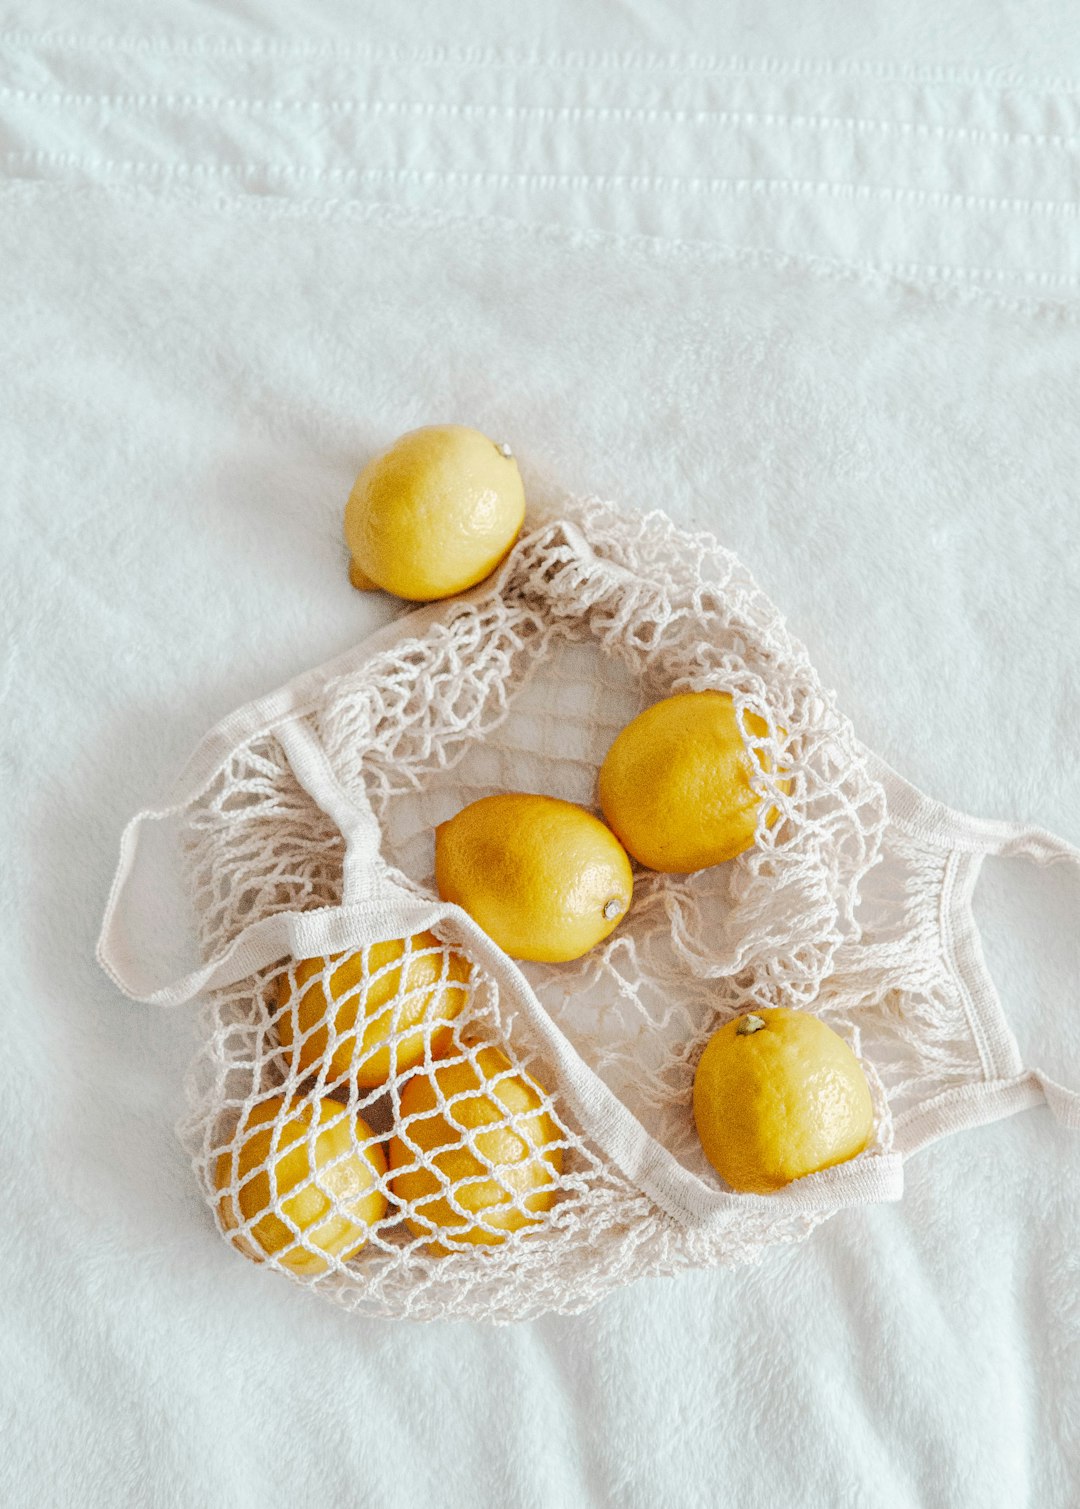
(307, 826)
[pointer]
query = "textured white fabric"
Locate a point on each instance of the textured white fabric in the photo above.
(190, 385)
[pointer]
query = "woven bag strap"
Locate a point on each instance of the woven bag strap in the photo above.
(368, 893)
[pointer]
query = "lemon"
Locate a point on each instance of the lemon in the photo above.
(379, 1006)
(302, 1172)
(473, 1191)
(778, 1095)
(675, 785)
(434, 514)
(544, 878)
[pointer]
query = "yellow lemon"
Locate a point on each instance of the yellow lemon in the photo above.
(274, 1159)
(544, 878)
(675, 785)
(474, 1191)
(380, 1003)
(434, 514)
(778, 1095)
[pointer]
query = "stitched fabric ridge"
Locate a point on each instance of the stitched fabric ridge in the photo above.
(880, 168)
(650, 63)
(942, 283)
(638, 183)
(787, 122)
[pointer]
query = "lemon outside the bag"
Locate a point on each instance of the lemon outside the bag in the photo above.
(304, 1175)
(779, 1095)
(479, 1185)
(433, 514)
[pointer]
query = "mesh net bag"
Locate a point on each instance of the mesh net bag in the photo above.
(383, 1105)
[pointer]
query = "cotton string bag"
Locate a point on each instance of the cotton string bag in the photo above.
(305, 826)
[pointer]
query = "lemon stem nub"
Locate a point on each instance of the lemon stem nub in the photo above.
(612, 909)
(748, 1024)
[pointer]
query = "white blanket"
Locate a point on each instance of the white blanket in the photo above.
(193, 374)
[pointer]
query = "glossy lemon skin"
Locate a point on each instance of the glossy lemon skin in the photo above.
(373, 1040)
(776, 1104)
(524, 1164)
(544, 878)
(342, 1169)
(675, 786)
(434, 514)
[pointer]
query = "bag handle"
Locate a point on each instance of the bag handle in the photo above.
(1009, 1085)
(260, 943)
(1018, 841)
